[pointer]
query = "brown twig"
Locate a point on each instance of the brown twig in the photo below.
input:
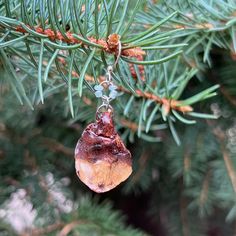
(44, 231)
(220, 135)
(187, 161)
(167, 103)
(129, 124)
(205, 189)
(183, 212)
(229, 167)
(229, 97)
(184, 217)
(196, 26)
(143, 160)
(55, 146)
(110, 46)
(68, 227)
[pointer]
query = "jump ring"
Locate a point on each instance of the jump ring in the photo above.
(107, 107)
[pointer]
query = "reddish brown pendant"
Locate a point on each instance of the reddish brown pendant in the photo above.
(101, 159)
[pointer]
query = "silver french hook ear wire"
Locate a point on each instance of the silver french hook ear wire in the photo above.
(109, 73)
(119, 54)
(111, 67)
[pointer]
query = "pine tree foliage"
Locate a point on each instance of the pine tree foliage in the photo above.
(176, 54)
(25, 142)
(40, 42)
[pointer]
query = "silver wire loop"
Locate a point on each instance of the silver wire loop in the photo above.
(105, 100)
(119, 54)
(105, 107)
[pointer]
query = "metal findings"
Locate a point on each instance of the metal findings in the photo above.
(107, 91)
(107, 84)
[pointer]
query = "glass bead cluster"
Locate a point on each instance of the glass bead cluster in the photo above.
(99, 91)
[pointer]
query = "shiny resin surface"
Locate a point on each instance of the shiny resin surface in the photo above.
(101, 159)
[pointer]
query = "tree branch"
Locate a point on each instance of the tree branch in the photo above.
(220, 135)
(110, 46)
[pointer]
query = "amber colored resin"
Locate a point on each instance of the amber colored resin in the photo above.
(101, 159)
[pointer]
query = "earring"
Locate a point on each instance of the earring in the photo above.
(101, 159)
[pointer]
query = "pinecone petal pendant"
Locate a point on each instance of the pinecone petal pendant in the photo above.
(101, 159)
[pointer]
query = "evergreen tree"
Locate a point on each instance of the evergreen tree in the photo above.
(175, 111)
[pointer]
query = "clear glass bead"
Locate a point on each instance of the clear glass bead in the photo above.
(98, 87)
(113, 94)
(98, 94)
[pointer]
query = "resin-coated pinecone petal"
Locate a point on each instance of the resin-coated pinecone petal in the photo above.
(101, 159)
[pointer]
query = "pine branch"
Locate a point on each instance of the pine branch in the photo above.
(45, 230)
(168, 103)
(199, 24)
(80, 32)
(109, 46)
